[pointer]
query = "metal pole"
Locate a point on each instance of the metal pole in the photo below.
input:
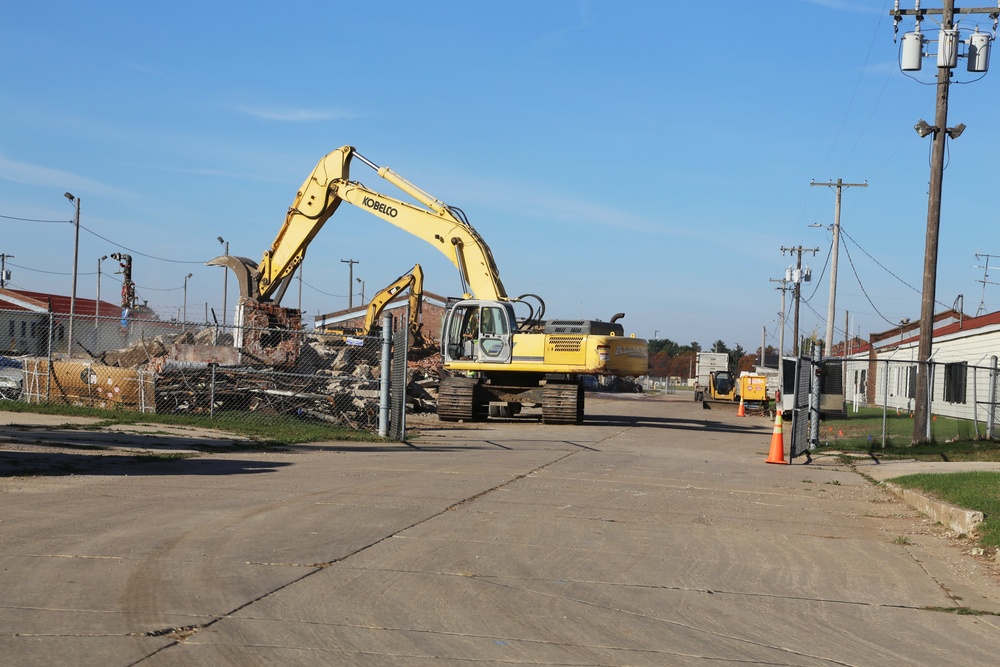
(815, 396)
(48, 373)
(383, 406)
(350, 281)
(225, 280)
(76, 254)
(211, 405)
(992, 405)
(97, 306)
(185, 317)
(885, 400)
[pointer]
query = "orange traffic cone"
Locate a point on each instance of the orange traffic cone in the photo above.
(741, 412)
(777, 454)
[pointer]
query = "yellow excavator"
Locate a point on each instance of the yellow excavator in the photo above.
(500, 362)
(412, 280)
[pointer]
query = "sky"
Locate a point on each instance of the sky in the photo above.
(651, 157)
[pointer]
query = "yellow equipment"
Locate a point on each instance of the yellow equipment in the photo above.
(506, 362)
(722, 387)
(412, 280)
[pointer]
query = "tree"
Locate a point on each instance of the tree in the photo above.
(695, 347)
(720, 346)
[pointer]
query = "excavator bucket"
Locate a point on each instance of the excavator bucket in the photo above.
(245, 270)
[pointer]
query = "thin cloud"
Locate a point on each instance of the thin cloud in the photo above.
(582, 23)
(296, 115)
(33, 174)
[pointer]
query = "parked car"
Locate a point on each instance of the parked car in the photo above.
(589, 383)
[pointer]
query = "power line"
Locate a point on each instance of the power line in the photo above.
(141, 254)
(58, 222)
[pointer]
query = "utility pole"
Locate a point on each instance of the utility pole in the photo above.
(3, 268)
(781, 331)
(832, 308)
(76, 255)
(796, 278)
(947, 59)
(350, 281)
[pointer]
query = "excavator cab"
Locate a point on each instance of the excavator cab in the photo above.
(478, 331)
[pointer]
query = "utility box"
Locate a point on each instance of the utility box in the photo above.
(753, 388)
(912, 55)
(979, 52)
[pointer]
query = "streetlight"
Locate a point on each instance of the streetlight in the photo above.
(225, 280)
(362, 290)
(185, 317)
(350, 281)
(97, 305)
(76, 254)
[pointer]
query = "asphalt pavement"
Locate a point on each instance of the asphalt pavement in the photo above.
(652, 534)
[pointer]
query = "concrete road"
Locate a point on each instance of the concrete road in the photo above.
(654, 534)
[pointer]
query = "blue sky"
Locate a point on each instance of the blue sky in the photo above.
(650, 157)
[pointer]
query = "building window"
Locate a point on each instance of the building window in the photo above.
(24, 328)
(954, 382)
(911, 382)
(12, 328)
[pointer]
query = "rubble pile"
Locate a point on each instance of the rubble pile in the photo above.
(334, 379)
(425, 372)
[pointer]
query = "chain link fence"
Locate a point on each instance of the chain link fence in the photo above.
(174, 367)
(872, 401)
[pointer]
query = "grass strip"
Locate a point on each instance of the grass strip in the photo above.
(974, 490)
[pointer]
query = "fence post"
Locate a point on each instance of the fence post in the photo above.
(211, 404)
(48, 375)
(991, 410)
(383, 401)
(885, 399)
(815, 394)
(975, 398)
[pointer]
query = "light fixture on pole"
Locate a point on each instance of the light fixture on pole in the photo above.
(97, 304)
(185, 317)
(350, 281)
(225, 279)
(76, 254)
(362, 290)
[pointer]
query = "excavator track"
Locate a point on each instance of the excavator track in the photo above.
(457, 399)
(562, 404)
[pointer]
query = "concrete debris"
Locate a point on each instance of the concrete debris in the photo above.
(332, 379)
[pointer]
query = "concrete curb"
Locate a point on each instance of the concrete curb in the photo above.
(960, 520)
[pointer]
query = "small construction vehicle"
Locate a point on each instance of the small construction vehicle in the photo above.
(500, 361)
(715, 378)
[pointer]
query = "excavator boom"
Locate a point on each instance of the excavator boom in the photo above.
(329, 184)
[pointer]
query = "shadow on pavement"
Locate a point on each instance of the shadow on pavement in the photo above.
(56, 464)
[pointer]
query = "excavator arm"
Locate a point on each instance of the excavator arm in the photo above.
(414, 280)
(443, 226)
